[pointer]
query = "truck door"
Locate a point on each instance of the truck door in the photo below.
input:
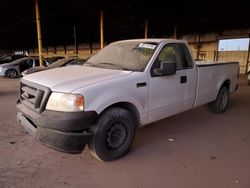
(175, 93)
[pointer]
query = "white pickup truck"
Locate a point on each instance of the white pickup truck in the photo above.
(126, 85)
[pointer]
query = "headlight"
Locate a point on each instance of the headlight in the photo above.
(65, 102)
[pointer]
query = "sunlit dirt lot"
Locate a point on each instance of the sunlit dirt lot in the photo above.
(194, 149)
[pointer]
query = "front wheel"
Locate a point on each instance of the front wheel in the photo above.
(220, 104)
(11, 73)
(112, 134)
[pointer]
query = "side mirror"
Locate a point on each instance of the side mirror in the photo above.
(167, 68)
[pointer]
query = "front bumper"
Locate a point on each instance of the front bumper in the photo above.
(63, 131)
(2, 72)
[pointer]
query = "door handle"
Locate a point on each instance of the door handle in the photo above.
(183, 79)
(142, 84)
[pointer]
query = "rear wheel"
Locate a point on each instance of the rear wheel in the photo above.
(11, 73)
(112, 135)
(220, 104)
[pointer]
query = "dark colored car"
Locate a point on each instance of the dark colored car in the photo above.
(58, 63)
(10, 58)
(51, 60)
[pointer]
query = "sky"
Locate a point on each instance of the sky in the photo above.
(234, 44)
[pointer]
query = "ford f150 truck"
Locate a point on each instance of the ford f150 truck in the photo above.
(126, 85)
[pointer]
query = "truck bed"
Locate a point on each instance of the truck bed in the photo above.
(211, 75)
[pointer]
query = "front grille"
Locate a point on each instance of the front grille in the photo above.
(33, 95)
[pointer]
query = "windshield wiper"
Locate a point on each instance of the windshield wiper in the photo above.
(103, 64)
(88, 63)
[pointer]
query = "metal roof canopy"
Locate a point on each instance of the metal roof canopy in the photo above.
(123, 19)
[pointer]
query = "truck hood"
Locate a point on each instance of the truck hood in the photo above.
(67, 79)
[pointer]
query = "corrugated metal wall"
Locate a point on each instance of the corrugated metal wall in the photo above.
(206, 45)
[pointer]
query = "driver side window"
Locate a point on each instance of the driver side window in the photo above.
(169, 53)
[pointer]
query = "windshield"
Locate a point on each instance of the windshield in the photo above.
(126, 55)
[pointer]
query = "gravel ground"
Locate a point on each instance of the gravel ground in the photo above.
(194, 149)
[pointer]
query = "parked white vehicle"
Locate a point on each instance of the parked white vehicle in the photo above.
(126, 85)
(14, 68)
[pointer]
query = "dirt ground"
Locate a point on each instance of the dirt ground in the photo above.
(194, 149)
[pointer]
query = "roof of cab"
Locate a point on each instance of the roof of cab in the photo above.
(152, 40)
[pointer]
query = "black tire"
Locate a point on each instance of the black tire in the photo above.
(220, 104)
(11, 73)
(112, 134)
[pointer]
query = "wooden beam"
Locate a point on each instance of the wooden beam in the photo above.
(39, 34)
(101, 30)
(248, 54)
(76, 49)
(198, 47)
(175, 32)
(146, 29)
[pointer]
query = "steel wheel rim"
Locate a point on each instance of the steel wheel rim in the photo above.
(224, 100)
(116, 136)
